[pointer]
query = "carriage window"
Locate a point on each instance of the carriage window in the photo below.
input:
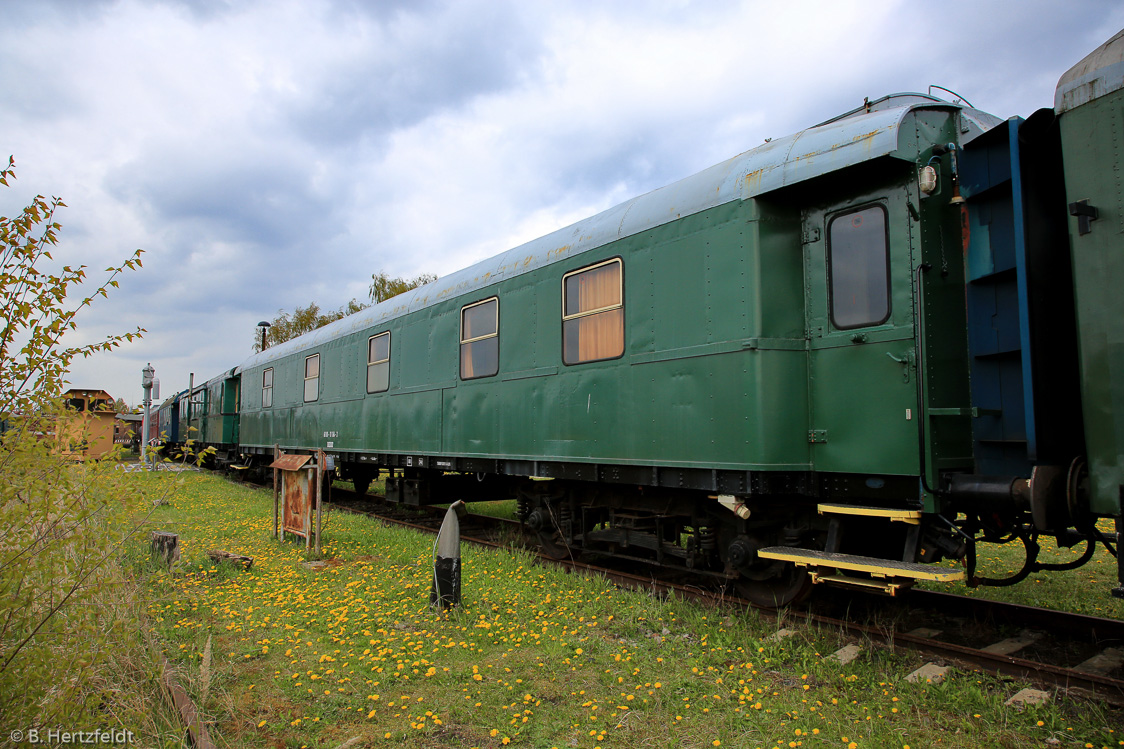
(267, 388)
(480, 342)
(312, 378)
(859, 268)
(592, 314)
(378, 363)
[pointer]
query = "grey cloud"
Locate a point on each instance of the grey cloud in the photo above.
(418, 65)
(268, 201)
(352, 136)
(55, 12)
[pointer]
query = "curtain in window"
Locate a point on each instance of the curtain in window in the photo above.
(479, 321)
(468, 371)
(480, 358)
(597, 335)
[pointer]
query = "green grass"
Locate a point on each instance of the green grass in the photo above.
(1085, 590)
(535, 657)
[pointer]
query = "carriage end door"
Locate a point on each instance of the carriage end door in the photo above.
(859, 306)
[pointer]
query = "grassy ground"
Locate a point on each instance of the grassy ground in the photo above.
(287, 656)
(1084, 590)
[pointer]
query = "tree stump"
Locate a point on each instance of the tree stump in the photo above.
(218, 555)
(166, 546)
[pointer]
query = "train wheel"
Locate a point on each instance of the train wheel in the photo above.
(790, 588)
(362, 484)
(544, 521)
(553, 545)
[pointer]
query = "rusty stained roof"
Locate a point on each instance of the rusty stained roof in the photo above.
(291, 462)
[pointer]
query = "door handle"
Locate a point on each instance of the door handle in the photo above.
(906, 362)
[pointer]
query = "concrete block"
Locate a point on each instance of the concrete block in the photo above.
(1028, 697)
(1103, 663)
(780, 634)
(1013, 644)
(845, 654)
(930, 673)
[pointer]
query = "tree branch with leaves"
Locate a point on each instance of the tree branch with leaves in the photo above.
(34, 311)
(65, 522)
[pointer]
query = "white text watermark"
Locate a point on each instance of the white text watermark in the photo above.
(59, 736)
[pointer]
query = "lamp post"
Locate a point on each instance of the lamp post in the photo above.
(146, 383)
(264, 326)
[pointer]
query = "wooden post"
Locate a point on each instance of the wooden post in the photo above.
(308, 518)
(191, 717)
(276, 455)
(319, 494)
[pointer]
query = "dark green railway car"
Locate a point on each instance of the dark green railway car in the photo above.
(210, 413)
(1090, 107)
(843, 352)
(168, 420)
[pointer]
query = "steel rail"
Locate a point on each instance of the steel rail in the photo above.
(1078, 626)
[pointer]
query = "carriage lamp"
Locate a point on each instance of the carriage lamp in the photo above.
(264, 326)
(927, 179)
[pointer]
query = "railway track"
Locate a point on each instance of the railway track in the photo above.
(1079, 654)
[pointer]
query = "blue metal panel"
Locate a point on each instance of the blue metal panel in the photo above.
(999, 338)
(1018, 210)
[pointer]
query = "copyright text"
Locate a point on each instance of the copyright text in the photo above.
(59, 736)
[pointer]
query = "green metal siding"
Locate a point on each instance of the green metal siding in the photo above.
(217, 421)
(713, 374)
(730, 360)
(1092, 137)
(863, 408)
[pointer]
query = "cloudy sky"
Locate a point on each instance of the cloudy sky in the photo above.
(270, 154)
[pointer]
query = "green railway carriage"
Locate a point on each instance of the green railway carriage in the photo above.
(1090, 107)
(210, 413)
(850, 352)
(731, 355)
